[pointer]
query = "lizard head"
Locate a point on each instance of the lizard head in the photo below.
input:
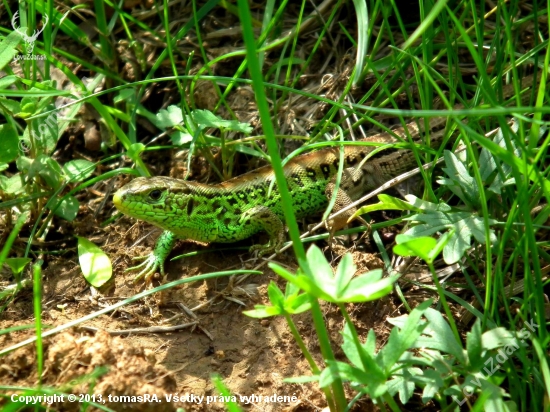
(170, 204)
(144, 195)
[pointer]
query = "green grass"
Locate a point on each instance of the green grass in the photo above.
(397, 65)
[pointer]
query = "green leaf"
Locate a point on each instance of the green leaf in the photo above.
(367, 287)
(464, 224)
(291, 289)
(205, 118)
(180, 137)
(491, 398)
(340, 370)
(135, 150)
(497, 338)
(391, 203)
(169, 117)
(301, 281)
(320, 268)
(281, 271)
(403, 339)
(474, 345)
(262, 311)
(364, 359)
(386, 203)
(125, 95)
(344, 273)
(297, 304)
(462, 184)
(7, 81)
(13, 185)
(432, 381)
(439, 336)
(13, 107)
(28, 107)
(68, 209)
(46, 131)
(361, 12)
(354, 354)
(323, 284)
(275, 294)
(24, 164)
(489, 164)
(230, 401)
(95, 264)
(9, 143)
(415, 246)
(426, 206)
(8, 48)
(48, 169)
(291, 302)
(78, 170)
(17, 264)
(403, 383)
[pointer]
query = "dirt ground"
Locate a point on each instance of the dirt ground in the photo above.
(252, 356)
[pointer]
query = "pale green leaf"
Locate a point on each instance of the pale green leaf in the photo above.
(8, 48)
(459, 176)
(9, 143)
(205, 118)
(179, 137)
(420, 246)
(95, 264)
(68, 209)
(17, 264)
(262, 311)
(78, 170)
(169, 117)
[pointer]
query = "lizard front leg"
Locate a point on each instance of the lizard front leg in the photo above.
(267, 220)
(353, 183)
(155, 260)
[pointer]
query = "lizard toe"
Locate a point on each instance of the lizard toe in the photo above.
(149, 267)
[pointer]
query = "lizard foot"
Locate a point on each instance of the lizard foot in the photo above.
(272, 247)
(150, 265)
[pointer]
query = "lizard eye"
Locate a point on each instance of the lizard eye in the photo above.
(155, 194)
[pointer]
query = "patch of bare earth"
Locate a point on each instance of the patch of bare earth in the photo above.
(252, 356)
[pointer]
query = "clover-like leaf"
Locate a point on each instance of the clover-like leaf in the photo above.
(169, 117)
(464, 224)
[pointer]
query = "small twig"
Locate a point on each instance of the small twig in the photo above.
(152, 329)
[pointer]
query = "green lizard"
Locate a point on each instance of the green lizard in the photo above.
(240, 207)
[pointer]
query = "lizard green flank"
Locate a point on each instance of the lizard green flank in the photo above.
(240, 207)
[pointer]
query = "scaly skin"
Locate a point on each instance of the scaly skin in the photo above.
(242, 206)
(238, 208)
